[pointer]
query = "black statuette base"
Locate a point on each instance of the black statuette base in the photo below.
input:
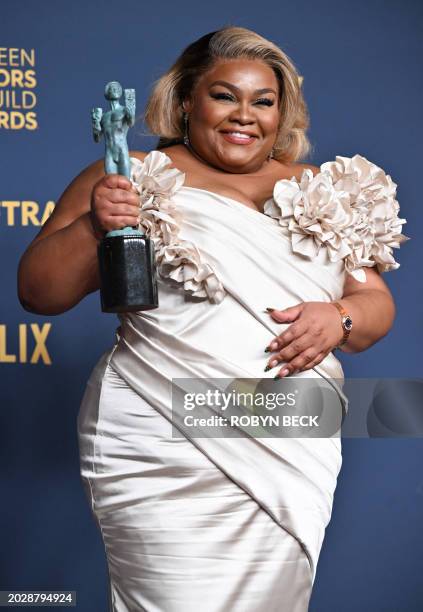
(127, 274)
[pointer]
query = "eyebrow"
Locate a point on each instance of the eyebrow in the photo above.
(230, 86)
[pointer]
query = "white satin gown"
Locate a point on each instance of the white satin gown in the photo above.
(217, 524)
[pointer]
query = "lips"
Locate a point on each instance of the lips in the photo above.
(239, 137)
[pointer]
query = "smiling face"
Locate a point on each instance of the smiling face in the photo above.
(234, 115)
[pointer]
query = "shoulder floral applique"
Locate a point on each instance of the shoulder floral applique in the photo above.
(349, 207)
(178, 259)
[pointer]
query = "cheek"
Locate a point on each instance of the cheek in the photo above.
(271, 123)
(209, 113)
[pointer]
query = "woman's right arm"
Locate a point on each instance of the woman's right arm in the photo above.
(60, 265)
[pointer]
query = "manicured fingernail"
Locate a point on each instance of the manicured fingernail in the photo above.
(271, 365)
(272, 347)
(285, 372)
(270, 309)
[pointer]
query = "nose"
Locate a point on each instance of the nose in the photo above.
(243, 113)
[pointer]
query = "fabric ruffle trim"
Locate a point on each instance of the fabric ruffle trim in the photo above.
(177, 259)
(349, 208)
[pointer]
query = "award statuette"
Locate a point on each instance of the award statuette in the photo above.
(126, 256)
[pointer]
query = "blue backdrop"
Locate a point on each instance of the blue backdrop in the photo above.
(361, 64)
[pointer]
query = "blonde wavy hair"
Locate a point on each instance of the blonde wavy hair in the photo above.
(164, 114)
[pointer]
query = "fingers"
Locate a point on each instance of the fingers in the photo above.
(120, 195)
(287, 315)
(114, 204)
(116, 181)
(305, 361)
(114, 188)
(318, 359)
(116, 222)
(298, 346)
(104, 225)
(300, 352)
(302, 345)
(114, 216)
(294, 331)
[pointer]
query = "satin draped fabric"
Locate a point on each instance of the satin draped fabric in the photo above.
(242, 518)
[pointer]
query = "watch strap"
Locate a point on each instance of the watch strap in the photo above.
(345, 319)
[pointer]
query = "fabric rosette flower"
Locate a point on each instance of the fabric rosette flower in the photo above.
(177, 259)
(349, 208)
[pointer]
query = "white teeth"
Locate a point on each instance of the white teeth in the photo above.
(239, 135)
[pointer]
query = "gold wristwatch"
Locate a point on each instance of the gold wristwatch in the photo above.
(346, 322)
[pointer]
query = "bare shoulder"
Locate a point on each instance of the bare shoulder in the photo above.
(305, 166)
(294, 169)
(141, 155)
(173, 153)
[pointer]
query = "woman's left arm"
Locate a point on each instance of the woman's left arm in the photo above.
(316, 327)
(371, 308)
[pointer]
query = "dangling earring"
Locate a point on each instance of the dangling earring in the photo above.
(186, 137)
(271, 154)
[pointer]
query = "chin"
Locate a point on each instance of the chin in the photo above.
(236, 159)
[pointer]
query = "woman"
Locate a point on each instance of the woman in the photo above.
(263, 263)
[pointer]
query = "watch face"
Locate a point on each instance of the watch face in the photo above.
(348, 323)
